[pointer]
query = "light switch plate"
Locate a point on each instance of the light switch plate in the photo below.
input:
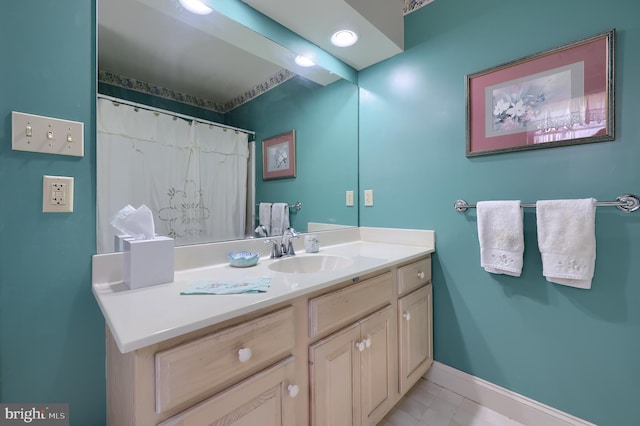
(48, 135)
(368, 197)
(349, 198)
(57, 194)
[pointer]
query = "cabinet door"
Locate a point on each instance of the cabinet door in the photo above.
(334, 369)
(266, 399)
(377, 362)
(416, 336)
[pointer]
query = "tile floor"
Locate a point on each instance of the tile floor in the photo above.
(428, 404)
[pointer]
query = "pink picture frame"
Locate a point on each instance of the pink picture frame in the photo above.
(279, 156)
(563, 96)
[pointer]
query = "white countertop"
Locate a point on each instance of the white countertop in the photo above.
(141, 317)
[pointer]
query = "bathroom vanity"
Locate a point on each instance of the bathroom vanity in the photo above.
(339, 345)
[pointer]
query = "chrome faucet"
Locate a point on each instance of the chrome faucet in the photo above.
(287, 245)
(284, 246)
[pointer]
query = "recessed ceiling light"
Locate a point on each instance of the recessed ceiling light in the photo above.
(303, 61)
(344, 38)
(196, 6)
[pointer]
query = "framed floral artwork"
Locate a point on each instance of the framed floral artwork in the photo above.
(558, 97)
(279, 156)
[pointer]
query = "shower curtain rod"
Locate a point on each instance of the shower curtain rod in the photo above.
(174, 114)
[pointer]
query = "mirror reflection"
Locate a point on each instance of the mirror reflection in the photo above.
(157, 144)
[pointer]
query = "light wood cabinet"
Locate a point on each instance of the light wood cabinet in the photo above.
(352, 372)
(343, 355)
(186, 372)
(241, 374)
(414, 275)
(265, 399)
(341, 307)
(415, 349)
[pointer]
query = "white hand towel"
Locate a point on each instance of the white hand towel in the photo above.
(501, 236)
(264, 216)
(279, 218)
(567, 240)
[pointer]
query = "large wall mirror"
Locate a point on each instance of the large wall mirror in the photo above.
(159, 66)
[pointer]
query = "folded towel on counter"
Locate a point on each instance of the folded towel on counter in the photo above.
(264, 216)
(567, 240)
(501, 236)
(258, 285)
(279, 218)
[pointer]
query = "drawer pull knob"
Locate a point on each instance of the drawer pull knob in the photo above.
(407, 316)
(421, 275)
(293, 390)
(360, 346)
(367, 342)
(244, 354)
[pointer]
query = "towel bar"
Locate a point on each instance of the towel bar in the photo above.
(296, 206)
(627, 203)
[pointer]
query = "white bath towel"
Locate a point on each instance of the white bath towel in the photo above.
(279, 218)
(567, 240)
(264, 216)
(501, 236)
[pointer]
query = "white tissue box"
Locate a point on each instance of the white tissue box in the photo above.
(118, 241)
(148, 262)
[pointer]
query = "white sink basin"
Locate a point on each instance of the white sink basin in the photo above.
(309, 264)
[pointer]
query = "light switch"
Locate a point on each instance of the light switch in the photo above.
(368, 197)
(349, 200)
(48, 135)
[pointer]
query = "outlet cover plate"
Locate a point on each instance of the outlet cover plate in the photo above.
(57, 194)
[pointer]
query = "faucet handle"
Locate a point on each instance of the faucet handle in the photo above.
(276, 248)
(290, 251)
(287, 246)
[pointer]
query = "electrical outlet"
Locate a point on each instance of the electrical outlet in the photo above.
(349, 200)
(368, 197)
(57, 194)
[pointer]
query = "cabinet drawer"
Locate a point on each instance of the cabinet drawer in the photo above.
(344, 306)
(263, 399)
(414, 275)
(196, 369)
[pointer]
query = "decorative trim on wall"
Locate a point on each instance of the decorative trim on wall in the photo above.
(511, 404)
(161, 92)
(413, 5)
(273, 81)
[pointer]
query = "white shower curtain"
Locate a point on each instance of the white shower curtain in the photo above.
(192, 176)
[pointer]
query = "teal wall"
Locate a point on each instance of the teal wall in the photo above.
(576, 350)
(51, 330)
(325, 119)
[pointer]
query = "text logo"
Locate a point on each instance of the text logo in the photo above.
(34, 414)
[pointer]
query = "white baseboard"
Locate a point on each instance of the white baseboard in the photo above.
(520, 408)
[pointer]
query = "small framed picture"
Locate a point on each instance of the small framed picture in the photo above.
(279, 156)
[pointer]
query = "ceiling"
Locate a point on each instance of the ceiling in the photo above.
(214, 57)
(379, 24)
